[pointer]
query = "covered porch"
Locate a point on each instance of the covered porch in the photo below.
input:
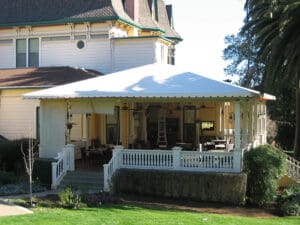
(154, 117)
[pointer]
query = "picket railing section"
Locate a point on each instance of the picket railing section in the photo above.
(174, 159)
(140, 159)
(207, 161)
(64, 163)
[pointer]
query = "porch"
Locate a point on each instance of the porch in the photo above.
(151, 111)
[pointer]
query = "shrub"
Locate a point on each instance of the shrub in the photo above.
(209, 187)
(11, 156)
(263, 166)
(289, 202)
(69, 199)
(7, 178)
(42, 171)
(97, 200)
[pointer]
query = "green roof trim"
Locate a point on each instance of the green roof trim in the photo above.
(92, 19)
(141, 37)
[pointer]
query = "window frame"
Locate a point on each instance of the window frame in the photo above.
(28, 62)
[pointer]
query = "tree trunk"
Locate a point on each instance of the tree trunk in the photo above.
(297, 133)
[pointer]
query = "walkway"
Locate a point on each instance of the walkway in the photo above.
(9, 209)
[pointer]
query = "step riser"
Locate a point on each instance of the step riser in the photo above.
(92, 182)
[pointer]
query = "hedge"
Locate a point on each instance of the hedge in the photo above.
(208, 187)
(42, 171)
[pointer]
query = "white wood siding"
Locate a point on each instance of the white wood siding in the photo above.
(129, 53)
(95, 55)
(17, 116)
(7, 55)
(76, 132)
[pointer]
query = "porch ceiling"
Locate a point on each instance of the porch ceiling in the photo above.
(150, 81)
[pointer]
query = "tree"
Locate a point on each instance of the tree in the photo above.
(243, 60)
(29, 157)
(274, 26)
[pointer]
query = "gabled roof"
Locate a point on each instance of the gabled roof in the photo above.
(42, 12)
(42, 77)
(150, 81)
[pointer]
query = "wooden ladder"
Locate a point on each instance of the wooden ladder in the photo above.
(162, 134)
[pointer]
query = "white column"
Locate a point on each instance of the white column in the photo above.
(71, 152)
(53, 127)
(245, 126)
(176, 157)
(53, 172)
(237, 126)
(117, 151)
(237, 153)
(85, 130)
(105, 178)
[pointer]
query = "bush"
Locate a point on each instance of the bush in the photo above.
(11, 158)
(97, 200)
(42, 171)
(263, 166)
(69, 199)
(7, 178)
(289, 202)
(209, 187)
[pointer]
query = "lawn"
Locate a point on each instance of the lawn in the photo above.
(125, 214)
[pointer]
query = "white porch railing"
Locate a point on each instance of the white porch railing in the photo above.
(64, 163)
(292, 168)
(174, 159)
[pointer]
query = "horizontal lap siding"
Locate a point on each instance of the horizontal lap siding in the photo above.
(95, 55)
(7, 55)
(76, 132)
(17, 117)
(133, 53)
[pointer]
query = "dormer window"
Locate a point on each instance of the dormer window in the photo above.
(154, 10)
(27, 52)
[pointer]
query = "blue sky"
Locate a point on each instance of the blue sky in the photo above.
(203, 24)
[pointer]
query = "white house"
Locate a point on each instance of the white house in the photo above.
(104, 36)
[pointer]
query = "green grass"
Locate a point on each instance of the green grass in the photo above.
(125, 214)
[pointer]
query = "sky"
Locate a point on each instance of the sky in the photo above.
(203, 25)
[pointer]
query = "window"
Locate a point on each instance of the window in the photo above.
(21, 53)
(162, 53)
(171, 55)
(33, 55)
(27, 57)
(207, 125)
(113, 128)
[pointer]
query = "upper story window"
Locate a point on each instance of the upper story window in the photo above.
(27, 52)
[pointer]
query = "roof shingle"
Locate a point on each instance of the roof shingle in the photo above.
(43, 77)
(31, 12)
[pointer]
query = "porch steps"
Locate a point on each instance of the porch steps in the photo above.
(91, 182)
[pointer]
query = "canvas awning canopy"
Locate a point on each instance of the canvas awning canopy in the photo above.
(150, 81)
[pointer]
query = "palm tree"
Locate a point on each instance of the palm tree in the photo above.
(275, 26)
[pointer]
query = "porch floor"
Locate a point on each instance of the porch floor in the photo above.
(93, 163)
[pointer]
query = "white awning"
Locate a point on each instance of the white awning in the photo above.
(91, 106)
(150, 81)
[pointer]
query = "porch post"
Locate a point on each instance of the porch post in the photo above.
(245, 125)
(85, 130)
(116, 156)
(176, 157)
(70, 151)
(237, 153)
(237, 125)
(250, 124)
